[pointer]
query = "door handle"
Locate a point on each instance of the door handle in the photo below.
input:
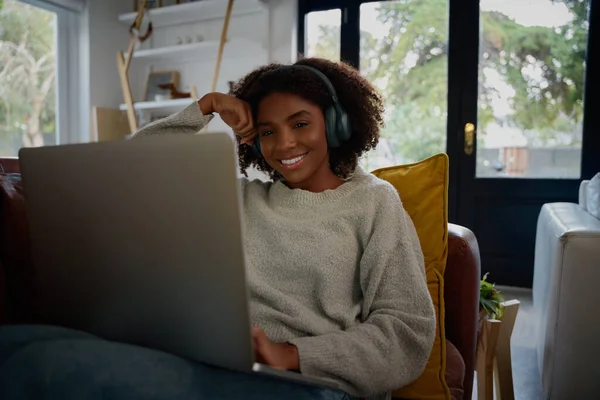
(469, 138)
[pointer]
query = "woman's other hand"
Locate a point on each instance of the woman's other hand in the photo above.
(273, 354)
(234, 112)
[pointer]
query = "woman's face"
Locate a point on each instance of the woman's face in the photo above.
(293, 140)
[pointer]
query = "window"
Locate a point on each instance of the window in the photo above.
(401, 47)
(323, 30)
(531, 70)
(525, 104)
(39, 74)
(404, 53)
(28, 93)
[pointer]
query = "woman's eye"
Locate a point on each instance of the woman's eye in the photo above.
(266, 133)
(300, 124)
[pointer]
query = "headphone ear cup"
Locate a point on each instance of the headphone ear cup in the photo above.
(331, 127)
(343, 126)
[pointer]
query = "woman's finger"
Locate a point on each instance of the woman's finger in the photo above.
(244, 130)
(245, 124)
(249, 140)
(242, 118)
(245, 133)
(249, 115)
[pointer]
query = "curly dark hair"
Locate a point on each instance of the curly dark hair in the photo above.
(357, 96)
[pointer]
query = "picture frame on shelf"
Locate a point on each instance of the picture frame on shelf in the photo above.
(153, 92)
(150, 4)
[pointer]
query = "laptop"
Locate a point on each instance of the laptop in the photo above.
(141, 241)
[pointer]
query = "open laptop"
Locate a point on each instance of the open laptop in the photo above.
(141, 241)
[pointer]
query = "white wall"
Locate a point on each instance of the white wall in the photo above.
(101, 37)
(271, 38)
(283, 30)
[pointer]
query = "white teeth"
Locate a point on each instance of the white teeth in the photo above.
(293, 160)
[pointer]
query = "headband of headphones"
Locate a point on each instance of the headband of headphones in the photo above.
(321, 75)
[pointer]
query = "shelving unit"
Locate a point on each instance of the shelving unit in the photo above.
(197, 11)
(173, 18)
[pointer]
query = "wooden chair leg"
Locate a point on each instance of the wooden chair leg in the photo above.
(503, 362)
(486, 349)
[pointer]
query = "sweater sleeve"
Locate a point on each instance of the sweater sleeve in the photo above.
(390, 348)
(189, 121)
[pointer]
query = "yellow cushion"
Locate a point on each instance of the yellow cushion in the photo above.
(423, 188)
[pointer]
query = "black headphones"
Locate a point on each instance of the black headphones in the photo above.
(337, 126)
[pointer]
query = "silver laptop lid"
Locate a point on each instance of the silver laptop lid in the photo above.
(140, 241)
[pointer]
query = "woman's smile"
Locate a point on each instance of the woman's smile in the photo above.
(293, 162)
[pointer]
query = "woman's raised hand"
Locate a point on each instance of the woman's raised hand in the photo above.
(234, 112)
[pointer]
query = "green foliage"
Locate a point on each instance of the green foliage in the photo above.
(27, 73)
(558, 58)
(543, 65)
(329, 45)
(490, 299)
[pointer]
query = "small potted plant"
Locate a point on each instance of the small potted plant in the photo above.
(490, 301)
(496, 321)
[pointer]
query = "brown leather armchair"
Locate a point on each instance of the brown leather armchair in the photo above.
(461, 290)
(461, 296)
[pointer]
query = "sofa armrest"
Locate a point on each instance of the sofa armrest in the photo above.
(461, 296)
(9, 165)
(583, 188)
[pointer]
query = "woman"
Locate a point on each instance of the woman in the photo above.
(334, 265)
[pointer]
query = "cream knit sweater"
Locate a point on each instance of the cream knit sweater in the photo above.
(339, 274)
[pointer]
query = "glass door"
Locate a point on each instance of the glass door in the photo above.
(526, 110)
(504, 87)
(531, 84)
(402, 48)
(404, 53)
(323, 34)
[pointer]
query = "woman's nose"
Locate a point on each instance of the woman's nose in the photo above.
(286, 139)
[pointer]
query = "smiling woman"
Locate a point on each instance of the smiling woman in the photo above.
(346, 105)
(334, 265)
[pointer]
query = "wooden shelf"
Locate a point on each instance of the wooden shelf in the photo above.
(197, 11)
(166, 106)
(204, 50)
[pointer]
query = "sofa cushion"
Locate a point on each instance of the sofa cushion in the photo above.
(423, 188)
(3, 297)
(455, 371)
